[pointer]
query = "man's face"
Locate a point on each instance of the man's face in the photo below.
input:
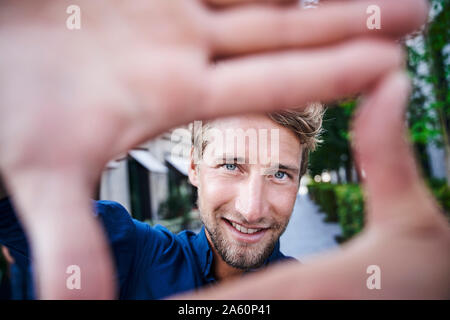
(246, 202)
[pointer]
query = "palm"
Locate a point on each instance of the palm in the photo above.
(88, 96)
(133, 84)
(133, 71)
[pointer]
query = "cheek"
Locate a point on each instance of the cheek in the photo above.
(282, 203)
(214, 192)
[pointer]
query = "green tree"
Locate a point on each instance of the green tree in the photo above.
(428, 63)
(438, 54)
(334, 152)
(429, 107)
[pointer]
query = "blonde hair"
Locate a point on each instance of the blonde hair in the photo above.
(305, 123)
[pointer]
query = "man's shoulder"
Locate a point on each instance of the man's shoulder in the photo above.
(116, 219)
(103, 207)
(135, 244)
(119, 227)
(183, 239)
(119, 224)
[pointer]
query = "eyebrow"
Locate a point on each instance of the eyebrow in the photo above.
(235, 159)
(294, 169)
(281, 166)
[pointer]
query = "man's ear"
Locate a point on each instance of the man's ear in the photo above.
(193, 170)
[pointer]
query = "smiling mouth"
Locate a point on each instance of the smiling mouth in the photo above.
(243, 229)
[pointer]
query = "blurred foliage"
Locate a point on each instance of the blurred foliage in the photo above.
(177, 205)
(341, 203)
(441, 191)
(344, 203)
(350, 207)
(324, 196)
(428, 53)
(334, 152)
(429, 66)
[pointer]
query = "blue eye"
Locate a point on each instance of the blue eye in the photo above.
(230, 166)
(280, 174)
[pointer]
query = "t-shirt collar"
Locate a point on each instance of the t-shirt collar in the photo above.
(205, 255)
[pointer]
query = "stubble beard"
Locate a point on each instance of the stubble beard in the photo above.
(241, 255)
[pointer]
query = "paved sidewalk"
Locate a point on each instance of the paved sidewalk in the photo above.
(307, 234)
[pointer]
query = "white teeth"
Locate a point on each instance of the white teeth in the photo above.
(243, 229)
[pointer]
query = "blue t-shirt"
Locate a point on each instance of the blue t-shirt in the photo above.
(151, 262)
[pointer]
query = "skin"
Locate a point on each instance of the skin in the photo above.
(7, 255)
(404, 232)
(246, 193)
(73, 100)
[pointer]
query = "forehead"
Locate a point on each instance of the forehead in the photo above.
(262, 128)
(246, 121)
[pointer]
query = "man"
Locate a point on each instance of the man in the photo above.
(247, 183)
(245, 206)
(75, 99)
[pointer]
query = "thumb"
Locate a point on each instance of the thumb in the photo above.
(395, 190)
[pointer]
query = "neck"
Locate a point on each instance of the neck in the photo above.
(222, 270)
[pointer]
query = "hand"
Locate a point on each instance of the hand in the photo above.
(75, 99)
(406, 235)
(9, 259)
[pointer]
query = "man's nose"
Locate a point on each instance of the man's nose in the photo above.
(251, 202)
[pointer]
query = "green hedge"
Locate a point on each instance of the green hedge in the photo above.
(442, 194)
(344, 203)
(341, 203)
(350, 204)
(325, 197)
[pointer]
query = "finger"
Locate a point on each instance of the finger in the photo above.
(65, 237)
(292, 79)
(259, 28)
(392, 180)
(224, 3)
